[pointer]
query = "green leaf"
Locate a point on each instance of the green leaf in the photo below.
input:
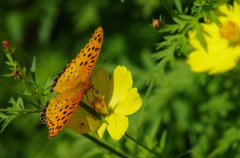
(201, 39)
(186, 17)
(230, 136)
(33, 68)
(160, 54)
(6, 121)
(2, 116)
(20, 103)
(162, 44)
(178, 5)
(16, 104)
(169, 28)
(8, 63)
(162, 141)
(7, 75)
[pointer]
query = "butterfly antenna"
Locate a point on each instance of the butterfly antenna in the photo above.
(105, 60)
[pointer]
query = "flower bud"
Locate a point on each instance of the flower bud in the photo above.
(156, 23)
(8, 47)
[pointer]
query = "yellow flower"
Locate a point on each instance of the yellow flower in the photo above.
(223, 43)
(113, 99)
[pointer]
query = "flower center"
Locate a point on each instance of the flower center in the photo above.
(230, 31)
(99, 105)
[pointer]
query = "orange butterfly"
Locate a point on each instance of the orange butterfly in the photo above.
(71, 84)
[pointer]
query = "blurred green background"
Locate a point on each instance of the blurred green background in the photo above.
(185, 114)
(54, 32)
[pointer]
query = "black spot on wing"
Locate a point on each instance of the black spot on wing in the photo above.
(97, 37)
(65, 121)
(100, 39)
(43, 114)
(58, 76)
(56, 80)
(89, 55)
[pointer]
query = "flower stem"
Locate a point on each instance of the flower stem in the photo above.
(138, 143)
(19, 110)
(105, 146)
(93, 112)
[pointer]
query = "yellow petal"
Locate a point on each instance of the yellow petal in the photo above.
(222, 53)
(129, 104)
(101, 81)
(219, 56)
(97, 126)
(211, 30)
(101, 130)
(121, 83)
(226, 62)
(198, 61)
(225, 9)
(78, 122)
(236, 8)
(194, 43)
(117, 126)
(217, 60)
(236, 12)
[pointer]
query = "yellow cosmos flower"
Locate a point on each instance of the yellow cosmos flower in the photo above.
(223, 43)
(113, 99)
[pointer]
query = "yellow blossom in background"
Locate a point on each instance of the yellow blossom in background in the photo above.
(223, 43)
(114, 99)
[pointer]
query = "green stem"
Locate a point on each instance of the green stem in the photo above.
(138, 143)
(19, 110)
(188, 152)
(93, 112)
(33, 69)
(105, 146)
(18, 94)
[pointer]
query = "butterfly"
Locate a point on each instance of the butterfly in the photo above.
(71, 84)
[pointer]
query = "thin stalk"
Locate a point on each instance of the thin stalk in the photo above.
(138, 143)
(105, 146)
(18, 94)
(93, 112)
(19, 110)
(141, 111)
(184, 154)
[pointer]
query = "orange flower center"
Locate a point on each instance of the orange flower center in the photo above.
(99, 105)
(230, 31)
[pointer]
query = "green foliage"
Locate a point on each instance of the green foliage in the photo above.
(12, 112)
(184, 114)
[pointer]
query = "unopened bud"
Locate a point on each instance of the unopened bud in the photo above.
(5, 44)
(8, 47)
(156, 23)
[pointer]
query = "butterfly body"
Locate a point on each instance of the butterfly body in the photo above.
(71, 84)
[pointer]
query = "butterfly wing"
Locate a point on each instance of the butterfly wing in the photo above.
(80, 68)
(71, 84)
(78, 122)
(59, 110)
